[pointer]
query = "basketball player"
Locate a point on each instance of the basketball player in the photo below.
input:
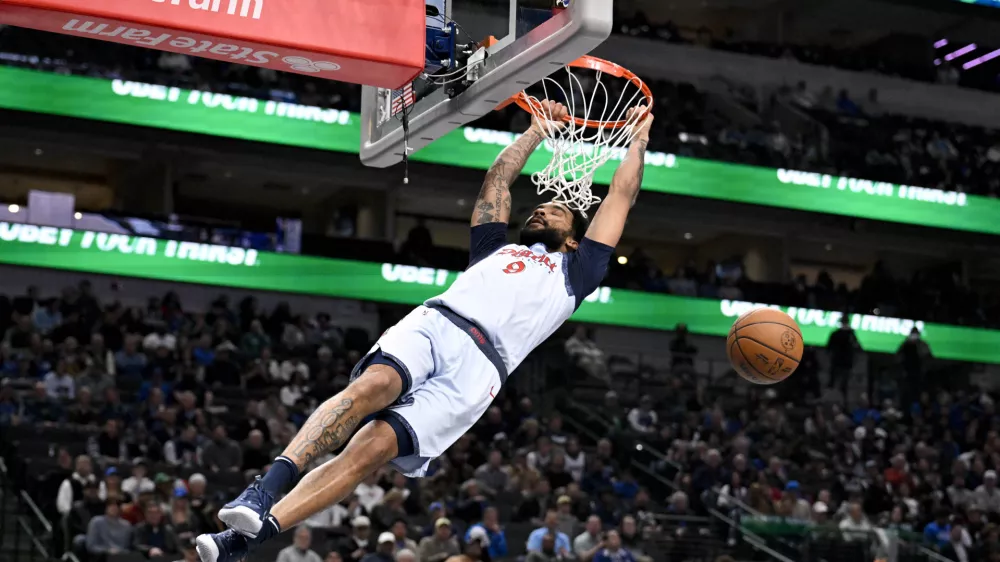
(431, 376)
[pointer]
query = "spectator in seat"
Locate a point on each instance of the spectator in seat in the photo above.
(557, 435)
(84, 510)
(72, 488)
(800, 508)
(535, 500)
(403, 542)
(42, 409)
(491, 426)
(492, 475)
(11, 407)
(842, 345)
(631, 537)
(369, 492)
(959, 545)
(84, 412)
(642, 418)
(550, 528)
(567, 523)
(135, 511)
(250, 421)
(255, 340)
(59, 383)
(108, 534)
(590, 541)
(613, 550)
(556, 473)
(439, 546)
(294, 391)
(224, 371)
(547, 550)
(47, 317)
(222, 454)
(154, 536)
(203, 353)
(181, 518)
(405, 555)
(256, 454)
(358, 544)
(987, 496)
(540, 458)
(111, 486)
(390, 510)
(497, 539)
(584, 353)
(130, 362)
(202, 507)
(299, 550)
(108, 445)
(138, 482)
(959, 495)
(385, 550)
(576, 459)
(855, 526)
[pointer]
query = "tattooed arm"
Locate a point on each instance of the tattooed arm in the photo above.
(493, 203)
(609, 222)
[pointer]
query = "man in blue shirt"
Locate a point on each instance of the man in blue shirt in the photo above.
(613, 551)
(563, 547)
(938, 532)
(496, 540)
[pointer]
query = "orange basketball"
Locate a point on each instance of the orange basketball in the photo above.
(764, 346)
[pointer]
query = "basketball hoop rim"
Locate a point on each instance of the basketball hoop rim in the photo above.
(607, 67)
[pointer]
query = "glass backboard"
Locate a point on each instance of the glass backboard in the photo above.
(480, 53)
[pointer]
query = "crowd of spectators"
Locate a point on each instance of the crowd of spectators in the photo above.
(933, 295)
(136, 423)
(794, 457)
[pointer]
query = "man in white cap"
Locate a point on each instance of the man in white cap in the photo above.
(987, 496)
(385, 550)
(820, 513)
(356, 546)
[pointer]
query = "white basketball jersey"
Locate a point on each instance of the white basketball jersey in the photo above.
(519, 295)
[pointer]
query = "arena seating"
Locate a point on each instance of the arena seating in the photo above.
(185, 396)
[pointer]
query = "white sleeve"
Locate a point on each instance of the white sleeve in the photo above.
(64, 499)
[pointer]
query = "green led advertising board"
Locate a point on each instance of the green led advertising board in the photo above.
(250, 119)
(189, 262)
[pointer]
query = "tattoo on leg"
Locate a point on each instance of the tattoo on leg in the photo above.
(326, 430)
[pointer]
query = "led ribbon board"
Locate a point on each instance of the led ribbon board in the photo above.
(291, 124)
(206, 264)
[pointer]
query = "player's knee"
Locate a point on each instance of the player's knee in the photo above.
(378, 441)
(380, 383)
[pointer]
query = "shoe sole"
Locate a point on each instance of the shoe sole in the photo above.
(242, 519)
(208, 551)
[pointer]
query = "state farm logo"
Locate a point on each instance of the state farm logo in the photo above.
(303, 64)
(247, 8)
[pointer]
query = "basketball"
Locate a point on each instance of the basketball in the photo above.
(764, 346)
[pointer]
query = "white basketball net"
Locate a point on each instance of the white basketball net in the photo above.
(578, 150)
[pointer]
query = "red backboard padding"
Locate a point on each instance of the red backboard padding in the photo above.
(374, 42)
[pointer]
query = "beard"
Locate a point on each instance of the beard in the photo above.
(552, 238)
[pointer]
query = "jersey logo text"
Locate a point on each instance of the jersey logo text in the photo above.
(529, 255)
